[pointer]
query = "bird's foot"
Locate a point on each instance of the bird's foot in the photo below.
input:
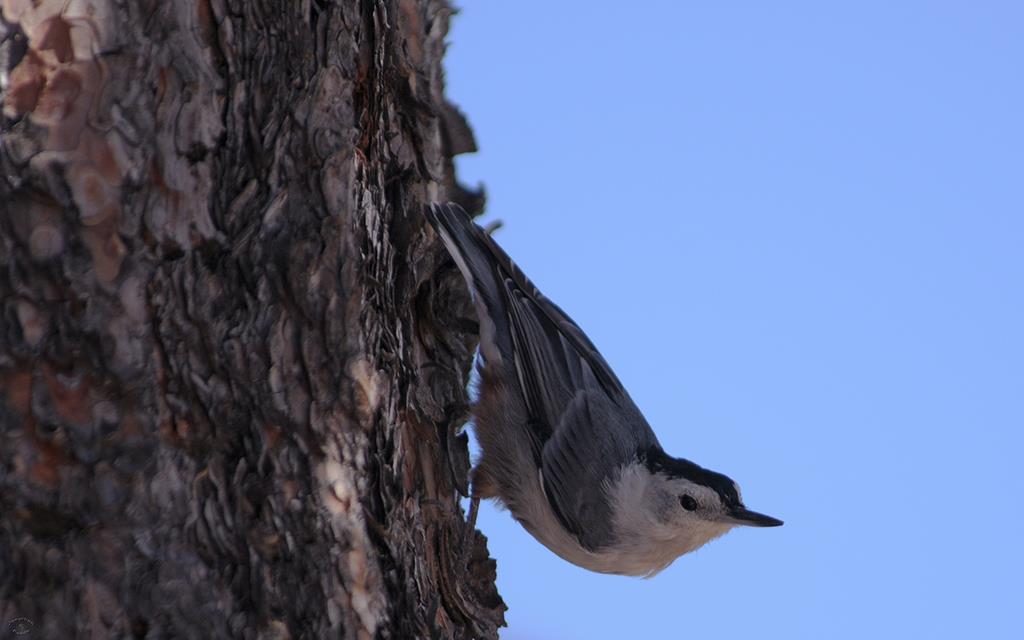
(469, 537)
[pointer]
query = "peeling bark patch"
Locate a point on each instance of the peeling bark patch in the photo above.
(361, 583)
(33, 323)
(54, 35)
(369, 385)
(24, 84)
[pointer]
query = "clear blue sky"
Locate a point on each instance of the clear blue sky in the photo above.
(796, 231)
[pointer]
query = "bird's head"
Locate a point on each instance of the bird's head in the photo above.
(664, 507)
(694, 498)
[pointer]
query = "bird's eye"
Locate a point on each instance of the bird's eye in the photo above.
(688, 502)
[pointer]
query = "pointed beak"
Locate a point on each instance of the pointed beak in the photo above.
(742, 515)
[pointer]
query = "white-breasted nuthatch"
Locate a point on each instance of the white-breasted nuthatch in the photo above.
(563, 445)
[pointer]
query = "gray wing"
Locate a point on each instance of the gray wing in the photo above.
(594, 427)
(593, 438)
(586, 421)
(585, 424)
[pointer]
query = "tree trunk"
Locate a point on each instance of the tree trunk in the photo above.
(232, 353)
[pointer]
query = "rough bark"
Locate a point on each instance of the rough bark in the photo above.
(232, 355)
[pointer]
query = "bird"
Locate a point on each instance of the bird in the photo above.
(563, 446)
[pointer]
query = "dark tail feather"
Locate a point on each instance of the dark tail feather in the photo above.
(472, 251)
(510, 306)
